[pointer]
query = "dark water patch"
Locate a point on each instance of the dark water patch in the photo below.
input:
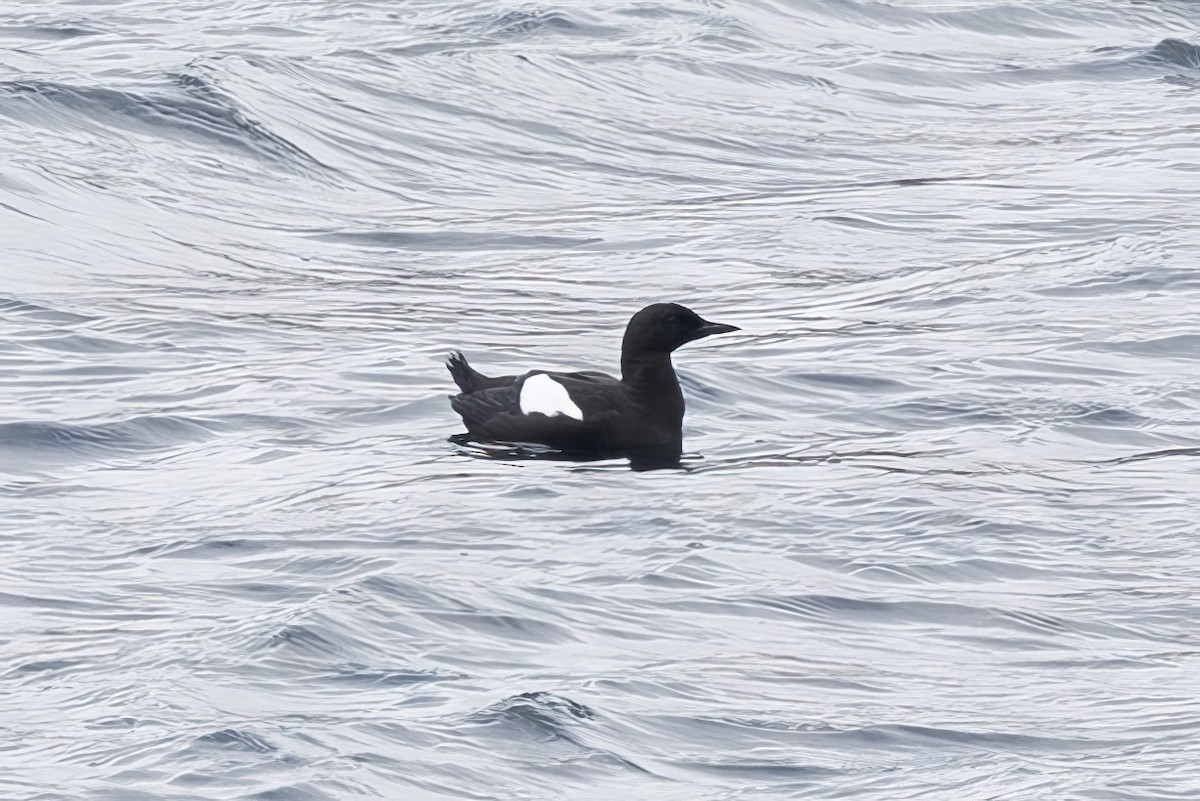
(1117, 63)
(548, 735)
(1165, 453)
(537, 714)
(530, 23)
(856, 384)
(219, 111)
(141, 434)
(15, 210)
(45, 666)
(909, 736)
(204, 116)
(46, 32)
(307, 640)
(1173, 53)
(41, 313)
(237, 740)
(147, 432)
(411, 593)
(1109, 418)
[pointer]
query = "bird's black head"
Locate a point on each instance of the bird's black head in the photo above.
(663, 327)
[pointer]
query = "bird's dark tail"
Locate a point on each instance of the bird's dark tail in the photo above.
(462, 373)
(469, 379)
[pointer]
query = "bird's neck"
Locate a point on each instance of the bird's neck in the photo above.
(652, 377)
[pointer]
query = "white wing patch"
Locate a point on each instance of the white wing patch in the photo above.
(541, 393)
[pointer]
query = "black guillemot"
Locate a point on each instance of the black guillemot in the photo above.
(590, 411)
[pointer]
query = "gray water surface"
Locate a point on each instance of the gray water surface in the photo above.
(937, 531)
